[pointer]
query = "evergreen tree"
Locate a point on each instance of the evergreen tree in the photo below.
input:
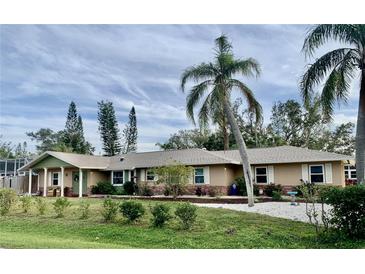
(108, 128)
(74, 133)
(130, 133)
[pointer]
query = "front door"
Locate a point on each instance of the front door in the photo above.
(75, 182)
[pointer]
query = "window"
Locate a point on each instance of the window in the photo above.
(55, 178)
(350, 172)
(316, 173)
(117, 177)
(199, 175)
(261, 175)
(150, 175)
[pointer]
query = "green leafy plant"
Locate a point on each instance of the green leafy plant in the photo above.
(41, 205)
(132, 210)
(348, 209)
(186, 213)
(60, 206)
(103, 187)
(26, 203)
(175, 177)
(130, 187)
(110, 210)
(84, 209)
(241, 185)
(7, 199)
(144, 189)
(271, 188)
(276, 196)
(160, 215)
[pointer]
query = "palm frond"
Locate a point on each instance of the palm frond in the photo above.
(203, 71)
(194, 97)
(205, 112)
(249, 67)
(254, 106)
(337, 85)
(223, 45)
(321, 67)
(320, 34)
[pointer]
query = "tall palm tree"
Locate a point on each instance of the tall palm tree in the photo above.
(338, 68)
(215, 82)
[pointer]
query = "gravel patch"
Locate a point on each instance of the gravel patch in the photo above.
(275, 209)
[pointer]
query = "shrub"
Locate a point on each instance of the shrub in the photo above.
(144, 189)
(348, 209)
(7, 199)
(41, 205)
(241, 185)
(160, 215)
(119, 190)
(175, 177)
(198, 191)
(26, 203)
(186, 213)
(166, 191)
(84, 209)
(270, 188)
(212, 192)
(110, 210)
(130, 187)
(60, 206)
(132, 210)
(276, 196)
(103, 187)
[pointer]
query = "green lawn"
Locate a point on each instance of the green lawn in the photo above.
(215, 228)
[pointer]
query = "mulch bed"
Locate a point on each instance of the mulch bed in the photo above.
(192, 199)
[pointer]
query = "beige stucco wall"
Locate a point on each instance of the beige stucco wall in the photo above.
(290, 174)
(93, 176)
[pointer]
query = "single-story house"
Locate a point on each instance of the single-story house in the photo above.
(285, 165)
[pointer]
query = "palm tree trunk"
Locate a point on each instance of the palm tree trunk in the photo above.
(242, 149)
(360, 133)
(225, 134)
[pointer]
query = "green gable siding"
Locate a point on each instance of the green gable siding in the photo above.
(51, 162)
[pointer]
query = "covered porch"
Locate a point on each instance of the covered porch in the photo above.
(63, 174)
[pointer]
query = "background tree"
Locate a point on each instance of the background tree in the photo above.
(130, 133)
(6, 149)
(215, 80)
(341, 140)
(337, 69)
(108, 128)
(74, 133)
(48, 140)
(184, 139)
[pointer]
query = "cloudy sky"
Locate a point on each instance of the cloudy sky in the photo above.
(44, 67)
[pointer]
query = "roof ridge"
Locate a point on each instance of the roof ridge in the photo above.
(219, 156)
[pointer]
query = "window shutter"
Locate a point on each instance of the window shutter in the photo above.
(305, 173)
(270, 170)
(143, 175)
(206, 175)
(328, 172)
(253, 175)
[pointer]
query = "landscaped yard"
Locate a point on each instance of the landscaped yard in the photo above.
(215, 228)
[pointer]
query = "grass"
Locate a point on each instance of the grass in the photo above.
(215, 228)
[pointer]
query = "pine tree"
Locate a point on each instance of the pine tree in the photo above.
(108, 128)
(74, 134)
(130, 133)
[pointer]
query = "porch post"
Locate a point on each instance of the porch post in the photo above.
(30, 182)
(62, 179)
(38, 181)
(45, 182)
(80, 183)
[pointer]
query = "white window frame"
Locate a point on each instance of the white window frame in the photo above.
(200, 176)
(261, 175)
(58, 178)
(323, 173)
(121, 171)
(349, 170)
(154, 175)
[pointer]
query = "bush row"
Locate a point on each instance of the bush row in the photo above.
(130, 210)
